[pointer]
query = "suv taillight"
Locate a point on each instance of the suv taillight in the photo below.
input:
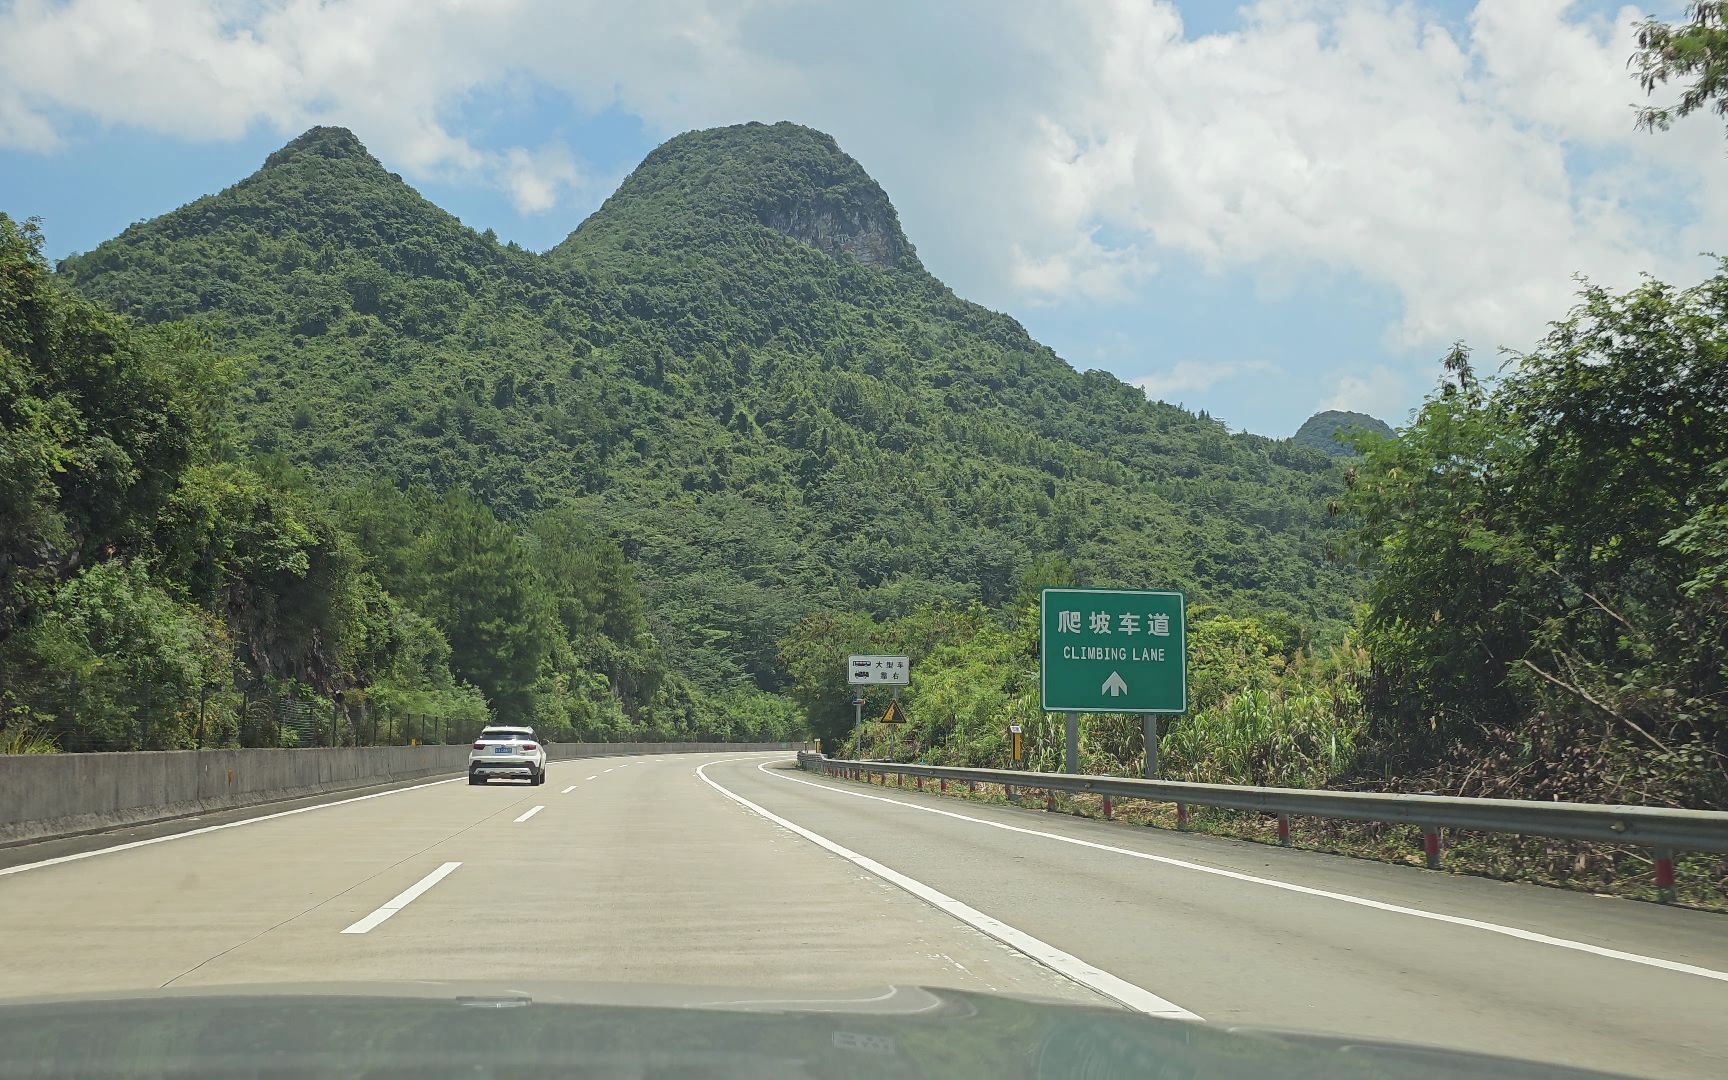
(479, 746)
(530, 746)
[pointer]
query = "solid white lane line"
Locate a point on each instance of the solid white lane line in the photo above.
(530, 814)
(1065, 964)
(568, 790)
(1305, 890)
(403, 899)
(57, 860)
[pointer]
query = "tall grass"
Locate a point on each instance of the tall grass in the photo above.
(21, 739)
(1305, 738)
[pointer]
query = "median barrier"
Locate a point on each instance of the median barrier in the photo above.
(43, 796)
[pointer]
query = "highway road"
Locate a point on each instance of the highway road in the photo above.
(740, 871)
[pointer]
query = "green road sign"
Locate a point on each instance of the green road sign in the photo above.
(1113, 651)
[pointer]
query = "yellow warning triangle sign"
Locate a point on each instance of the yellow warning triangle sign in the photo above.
(894, 715)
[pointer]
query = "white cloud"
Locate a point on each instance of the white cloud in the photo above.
(1196, 376)
(535, 180)
(1039, 150)
(1363, 137)
(22, 128)
(1380, 392)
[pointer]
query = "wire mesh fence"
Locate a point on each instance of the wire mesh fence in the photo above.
(64, 716)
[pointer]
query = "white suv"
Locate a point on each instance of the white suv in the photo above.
(507, 751)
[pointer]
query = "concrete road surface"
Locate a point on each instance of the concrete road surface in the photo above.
(738, 870)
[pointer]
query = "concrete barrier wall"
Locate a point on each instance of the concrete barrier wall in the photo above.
(48, 795)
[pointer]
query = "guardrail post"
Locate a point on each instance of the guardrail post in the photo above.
(944, 785)
(899, 779)
(1049, 801)
(1182, 815)
(1664, 875)
(920, 783)
(1431, 846)
(1284, 830)
(1108, 809)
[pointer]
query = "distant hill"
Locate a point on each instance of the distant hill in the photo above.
(739, 369)
(1320, 431)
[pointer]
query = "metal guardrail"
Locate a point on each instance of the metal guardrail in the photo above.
(1661, 830)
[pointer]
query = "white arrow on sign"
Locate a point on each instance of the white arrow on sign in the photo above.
(1114, 686)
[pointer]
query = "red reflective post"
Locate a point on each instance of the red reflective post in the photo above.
(1284, 830)
(1664, 875)
(1109, 811)
(1181, 815)
(1431, 846)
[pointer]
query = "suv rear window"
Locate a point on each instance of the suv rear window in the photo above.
(505, 736)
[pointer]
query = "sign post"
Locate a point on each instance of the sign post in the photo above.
(870, 670)
(1113, 651)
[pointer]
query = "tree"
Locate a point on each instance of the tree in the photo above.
(119, 664)
(593, 586)
(1695, 48)
(476, 581)
(1549, 555)
(97, 419)
(293, 588)
(814, 654)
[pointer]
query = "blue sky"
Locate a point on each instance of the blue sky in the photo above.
(1260, 210)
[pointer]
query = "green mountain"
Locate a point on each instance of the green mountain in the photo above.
(1320, 431)
(736, 368)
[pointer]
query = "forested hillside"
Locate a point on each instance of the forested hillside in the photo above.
(161, 586)
(737, 371)
(1325, 431)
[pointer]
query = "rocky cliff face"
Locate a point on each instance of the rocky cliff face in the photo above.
(871, 238)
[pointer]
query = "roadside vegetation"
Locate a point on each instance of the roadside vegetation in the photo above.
(1547, 615)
